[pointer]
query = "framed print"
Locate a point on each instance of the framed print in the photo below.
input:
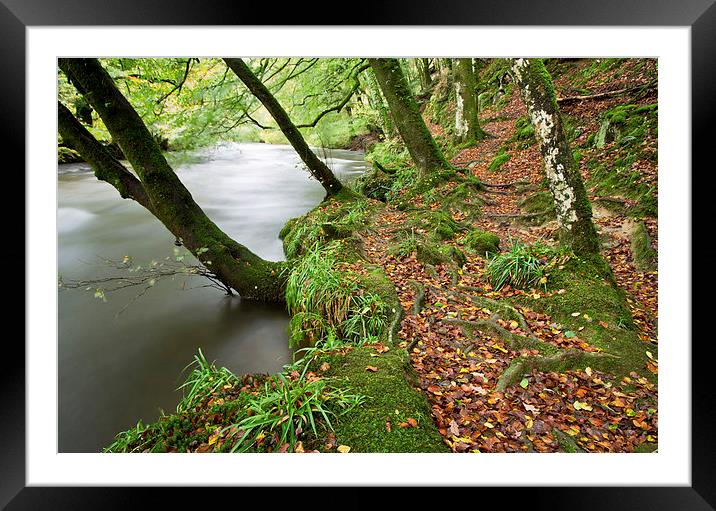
(451, 265)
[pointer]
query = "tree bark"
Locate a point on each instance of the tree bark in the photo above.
(376, 101)
(316, 167)
(422, 147)
(467, 124)
(574, 212)
(426, 81)
(157, 187)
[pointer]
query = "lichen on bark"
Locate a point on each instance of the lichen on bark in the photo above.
(574, 212)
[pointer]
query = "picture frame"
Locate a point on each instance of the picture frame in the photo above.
(16, 16)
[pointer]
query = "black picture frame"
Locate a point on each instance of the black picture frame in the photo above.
(17, 15)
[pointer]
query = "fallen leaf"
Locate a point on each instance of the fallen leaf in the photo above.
(372, 369)
(343, 449)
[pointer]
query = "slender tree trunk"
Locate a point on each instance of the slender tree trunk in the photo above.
(574, 211)
(426, 81)
(158, 188)
(378, 103)
(422, 147)
(316, 167)
(467, 124)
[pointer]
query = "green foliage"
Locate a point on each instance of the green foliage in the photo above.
(203, 380)
(129, 440)
(405, 247)
(327, 302)
(518, 267)
(288, 406)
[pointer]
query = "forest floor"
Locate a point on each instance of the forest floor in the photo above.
(459, 368)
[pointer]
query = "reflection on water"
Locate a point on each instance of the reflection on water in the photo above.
(115, 369)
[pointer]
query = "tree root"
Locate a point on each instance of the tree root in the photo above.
(500, 310)
(506, 185)
(521, 216)
(514, 341)
(419, 297)
(395, 325)
(563, 361)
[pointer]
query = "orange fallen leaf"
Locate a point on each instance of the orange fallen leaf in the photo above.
(372, 369)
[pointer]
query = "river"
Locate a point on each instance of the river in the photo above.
(122, 360)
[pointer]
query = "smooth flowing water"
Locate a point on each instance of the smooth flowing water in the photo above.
(122, 360)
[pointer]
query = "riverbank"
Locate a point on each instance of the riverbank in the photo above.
(423, 342)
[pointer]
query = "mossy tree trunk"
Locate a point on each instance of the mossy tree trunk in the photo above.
(426, 81)
(467, 123)
(376, 101)
(156, 186)
(422, 147)
(574, 212)
(316, 167)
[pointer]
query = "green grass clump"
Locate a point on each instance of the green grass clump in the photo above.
(328, 303)
(524, 132)
(288, 407)
(518, 267)
(203, 380)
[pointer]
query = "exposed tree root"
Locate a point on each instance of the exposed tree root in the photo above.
(491, 327)
(522, 216)
(563, 361)
(419, 297)
(395, 325)
(506, 185)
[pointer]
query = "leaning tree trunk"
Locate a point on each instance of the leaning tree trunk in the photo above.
(467, 124)
(157, 187)
(316, 167)
(422, 147)
(574, 212)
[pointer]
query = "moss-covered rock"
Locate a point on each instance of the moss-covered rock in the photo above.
(482, 242)
(643, 255)
(374, 184)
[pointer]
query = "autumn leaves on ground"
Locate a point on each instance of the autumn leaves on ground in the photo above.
(425, 345)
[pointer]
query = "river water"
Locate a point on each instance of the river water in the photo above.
(122, 360)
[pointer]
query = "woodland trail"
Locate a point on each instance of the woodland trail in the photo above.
(465, 338)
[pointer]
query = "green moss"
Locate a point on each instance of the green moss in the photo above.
(391, 396)
(524, 132)
(498, 161)
(482, 242)
(541, 204)
(643, 255)
(589, 290)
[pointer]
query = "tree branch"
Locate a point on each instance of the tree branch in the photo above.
(106, 167)
(344, 101)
